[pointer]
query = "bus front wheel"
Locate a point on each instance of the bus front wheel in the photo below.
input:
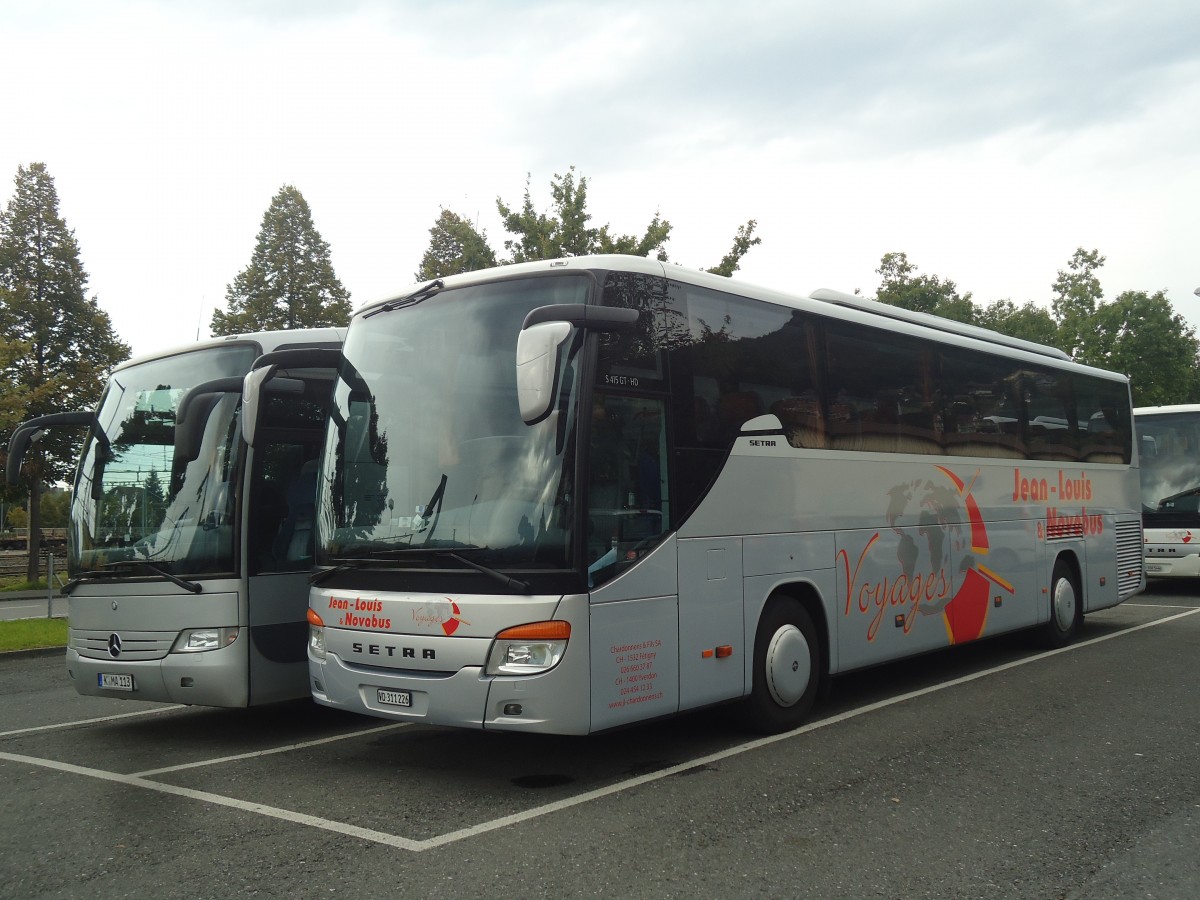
(787, 668)
(1066, 606)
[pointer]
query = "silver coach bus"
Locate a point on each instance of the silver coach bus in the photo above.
(569, 495)
(188, 551)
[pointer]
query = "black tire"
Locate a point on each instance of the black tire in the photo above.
(787, 669)
(1066, 607)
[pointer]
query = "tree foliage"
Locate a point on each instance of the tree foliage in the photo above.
(290, 282)
(742, 242)
(565, 229)
(1029, 321)
(59, 344)
(1077, 295)
(1138, 334)
(13, 393)
(1141, 334)
(454, 246)
(903, 287)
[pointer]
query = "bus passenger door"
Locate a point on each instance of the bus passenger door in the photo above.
(712, 651)
(284, 431)
(279, 548)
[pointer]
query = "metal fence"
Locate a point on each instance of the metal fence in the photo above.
(14, 565)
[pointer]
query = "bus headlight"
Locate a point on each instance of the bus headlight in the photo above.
(316, 635)
(529, 649)
(197, 640)
(316, 641)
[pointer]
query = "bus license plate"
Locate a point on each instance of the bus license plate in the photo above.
(115, 682)
(1155, 567)
(394, 698)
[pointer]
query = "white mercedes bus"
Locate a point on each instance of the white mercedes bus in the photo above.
(188, 551)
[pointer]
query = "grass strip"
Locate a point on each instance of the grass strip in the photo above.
(31, 634)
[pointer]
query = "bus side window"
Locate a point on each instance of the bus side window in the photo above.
(734, 409)
(281, 513)
(294, 543)
(802, 421)
(628, 500)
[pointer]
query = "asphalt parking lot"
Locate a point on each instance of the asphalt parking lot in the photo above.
(991, 770)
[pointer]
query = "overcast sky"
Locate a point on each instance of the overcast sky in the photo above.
(987, 140)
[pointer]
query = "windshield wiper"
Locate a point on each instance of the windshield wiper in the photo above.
(345, 565)
(194, 586)
(521, 587)
(90, 575)
(110, 571)
(362, 562)
(416, 296)
(431, 508)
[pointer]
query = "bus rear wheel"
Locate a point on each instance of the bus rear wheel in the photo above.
(1066, 606)
(787, 668)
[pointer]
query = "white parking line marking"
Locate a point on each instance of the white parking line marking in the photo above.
(251, 755)
(78, 722)
(1158, 605)
(451, 837)
(528, 814)
(285, 815)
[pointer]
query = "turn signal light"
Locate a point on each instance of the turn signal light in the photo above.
(314, 619)
(537, 631)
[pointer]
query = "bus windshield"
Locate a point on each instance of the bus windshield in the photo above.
(1169, 448)
(428, 451)
(130, 501)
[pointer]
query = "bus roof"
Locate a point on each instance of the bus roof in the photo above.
(1166, 410)
(818, 301)
(265, 340)
(932, 321)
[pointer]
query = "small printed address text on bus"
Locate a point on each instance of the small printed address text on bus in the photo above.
(634, 664)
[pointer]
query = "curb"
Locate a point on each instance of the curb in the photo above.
(32, 653)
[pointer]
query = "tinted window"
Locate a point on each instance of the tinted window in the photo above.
(980, 405)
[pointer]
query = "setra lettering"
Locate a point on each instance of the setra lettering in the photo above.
(391, 650)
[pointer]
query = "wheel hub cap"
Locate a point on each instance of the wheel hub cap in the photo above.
(788, 665)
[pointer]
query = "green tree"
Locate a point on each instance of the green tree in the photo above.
(1077, 296)
(742, 242)
(1029, 321)
(12, 391)
(156, 500)
(1141, 335)
(566, 229)
(903, 287)
(68, 341)
(55, 506)
(454, 246)
(290, 282)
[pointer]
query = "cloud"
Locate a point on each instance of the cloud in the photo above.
(987, 141)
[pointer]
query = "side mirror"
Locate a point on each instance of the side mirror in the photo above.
(260, 379)
(540, 342)
(538, 349)
(258, 382)
(27, 432)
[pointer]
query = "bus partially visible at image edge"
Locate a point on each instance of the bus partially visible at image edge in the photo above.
(1168, 439)
(569, 495)
(189, 551)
